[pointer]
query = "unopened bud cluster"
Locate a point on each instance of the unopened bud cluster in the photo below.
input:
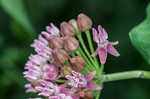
(54, 61)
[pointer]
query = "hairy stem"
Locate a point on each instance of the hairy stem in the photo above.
(126, 75)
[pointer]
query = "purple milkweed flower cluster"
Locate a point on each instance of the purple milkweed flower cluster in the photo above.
(54, 72)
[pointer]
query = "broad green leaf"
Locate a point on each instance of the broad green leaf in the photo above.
(16, 10)
(140, 37)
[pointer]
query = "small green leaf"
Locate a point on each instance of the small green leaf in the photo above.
(17, 11)
(140, 37)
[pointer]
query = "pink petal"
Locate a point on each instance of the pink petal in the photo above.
(46, 34)
(114, 43)
(63, 85)
(90, 76)
(69, 77)
(78, 75)
(76, 96)
(95, 35)
(66, 91)
(102, 55)
(102, 33)
(93, 86)
(112, 50)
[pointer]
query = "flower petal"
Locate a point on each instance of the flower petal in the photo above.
(112, 50)
(90, 76)
(114, 43)
(102, 55)
(95, 35)
(93, 86)
(76, 96)
(102, 34)
(78, 75)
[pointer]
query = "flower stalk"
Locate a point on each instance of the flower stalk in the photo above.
(91, 46)
(79, 36)
(126, 75)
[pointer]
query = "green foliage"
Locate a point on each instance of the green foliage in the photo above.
(140, 37)
(16, 9)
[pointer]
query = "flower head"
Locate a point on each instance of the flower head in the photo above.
(80, 81)
(104, 46)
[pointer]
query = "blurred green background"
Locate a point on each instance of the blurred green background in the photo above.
(22, 20)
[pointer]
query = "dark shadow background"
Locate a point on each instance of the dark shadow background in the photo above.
(118, 17)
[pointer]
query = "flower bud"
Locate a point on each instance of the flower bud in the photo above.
(60, 55)
(66, 70)
(35, 83)
(84, 22)
(66, 29)
(86, 94)
(74, 24)
(78, 63)
(55, 42)
(70, 44)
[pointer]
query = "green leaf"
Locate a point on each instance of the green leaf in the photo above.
(140, 37)
(17, 11)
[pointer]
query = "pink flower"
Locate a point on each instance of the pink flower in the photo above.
(104, 46)
(61, 96)
(38, 69)
(30, 88)
(35, 98)
(41, 46)
(49, 89)
(51, 30)
(80, 81)
(50, 71)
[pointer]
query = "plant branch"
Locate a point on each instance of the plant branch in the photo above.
(126, 75)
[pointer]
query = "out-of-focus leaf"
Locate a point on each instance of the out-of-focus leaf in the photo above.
(16, 10)
(1, 40)
(140, 37)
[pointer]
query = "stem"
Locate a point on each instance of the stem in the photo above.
(100, 74)
(91, 45)
(101, 69)
(60, 81)
(126, 75)
(84, 48)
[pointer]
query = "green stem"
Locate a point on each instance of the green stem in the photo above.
(84, 56)
(84, 48)
(98, 94)
(91, 45)
(100, 73)
(60, 81)
(126, 75)
(101, 69)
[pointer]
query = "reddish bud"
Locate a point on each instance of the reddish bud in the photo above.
(78, 63)
(66, 70)
(84, 22)
(70, 44)
(56, 42)
(60, 55)
(86, 94)
(35, 83)
(66, 29)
